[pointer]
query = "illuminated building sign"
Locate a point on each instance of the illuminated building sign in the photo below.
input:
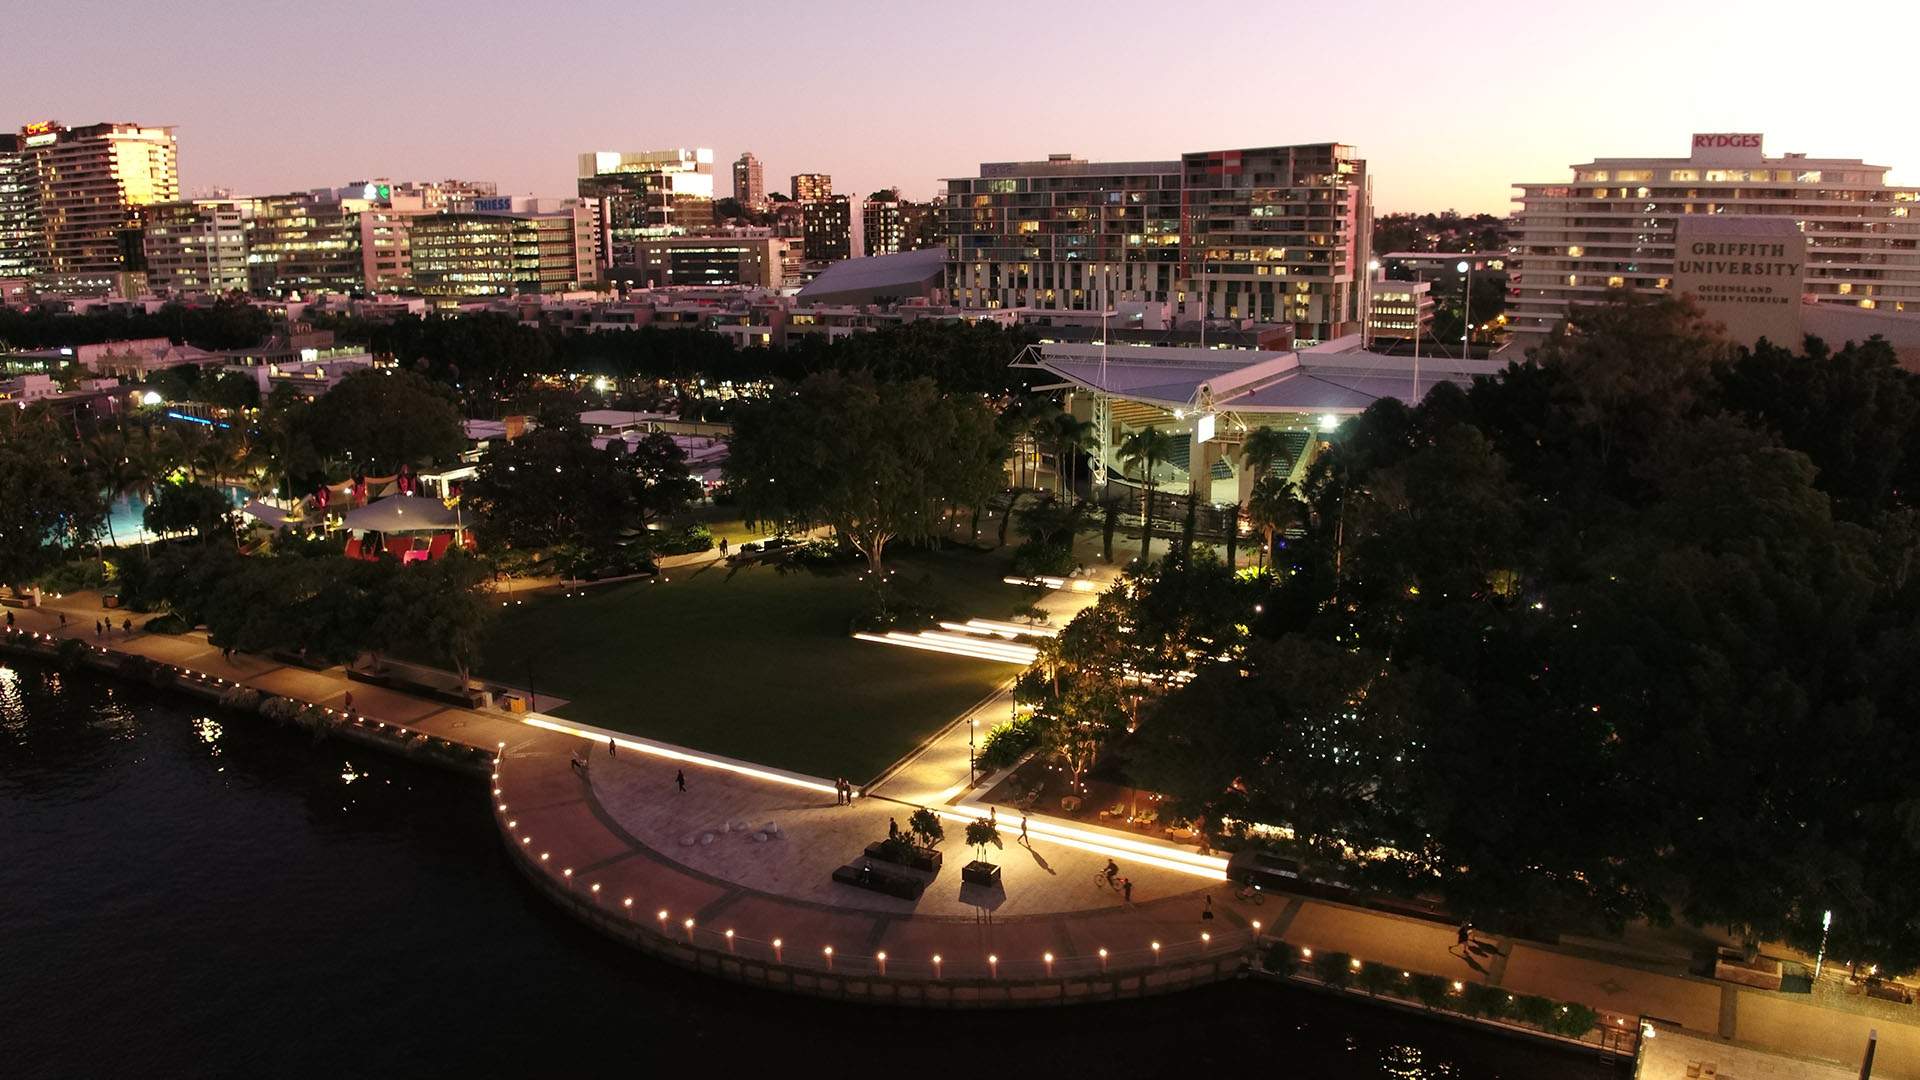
(1726, 147)
(499, 205)
(42, 133)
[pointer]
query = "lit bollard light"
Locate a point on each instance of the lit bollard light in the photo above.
(936, 965)
(880, 960)
(993, 966)
(1103, 958)
(1156, 952)
(828, 953)
(729, 941)
(776, 950)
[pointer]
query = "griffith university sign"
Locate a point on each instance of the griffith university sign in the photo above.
(1744, 272)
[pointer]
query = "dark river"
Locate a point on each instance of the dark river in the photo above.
(185, 893)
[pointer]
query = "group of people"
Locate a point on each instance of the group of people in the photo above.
(101, 627)
(842, 791)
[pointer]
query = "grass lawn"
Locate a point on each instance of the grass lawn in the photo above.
(753, 663)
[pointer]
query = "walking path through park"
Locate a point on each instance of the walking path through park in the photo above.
(679, 874)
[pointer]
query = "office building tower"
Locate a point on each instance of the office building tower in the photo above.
(94, 186)
(647, 194)
(494, 247)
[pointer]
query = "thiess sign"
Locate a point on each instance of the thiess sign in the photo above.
(1746, 273)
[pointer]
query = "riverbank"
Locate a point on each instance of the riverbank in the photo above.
(623, 828)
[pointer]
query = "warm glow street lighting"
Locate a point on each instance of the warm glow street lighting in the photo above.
(1466, 305)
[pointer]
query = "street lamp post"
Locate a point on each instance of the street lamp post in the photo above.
(1366, 316)
(1466, 307)
(1820, 959)
(971, 779)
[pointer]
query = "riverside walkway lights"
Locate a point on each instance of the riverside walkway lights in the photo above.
(1819, 961)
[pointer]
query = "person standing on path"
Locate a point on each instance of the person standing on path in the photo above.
(723, 547)
(609, 746)
(680, 779)
(893, 829)
(346, 704)
(9, 622)
(63, 621)
(97, 632)
(126, 624)
(1126, 890)
(1206, 913)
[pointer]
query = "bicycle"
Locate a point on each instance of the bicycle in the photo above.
(1249, 893)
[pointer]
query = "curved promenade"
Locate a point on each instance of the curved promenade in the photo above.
(622, 848)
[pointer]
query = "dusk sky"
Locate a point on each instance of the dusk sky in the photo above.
(1449, 103)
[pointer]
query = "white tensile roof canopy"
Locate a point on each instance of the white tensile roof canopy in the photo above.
(402, 513)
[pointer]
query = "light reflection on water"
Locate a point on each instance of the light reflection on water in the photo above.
(228, 899)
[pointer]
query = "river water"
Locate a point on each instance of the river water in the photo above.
(190, 893)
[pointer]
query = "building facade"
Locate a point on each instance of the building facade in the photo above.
(1613, 227)
(749, 182)
(647, 194)
(23, 233)
(1400, 310)
(307, 242)
(92, 187)
(498, 246)
(829, 228)
(1275, 234)
(809, 186)
(764, 261)
(890, 225)
(197, 246)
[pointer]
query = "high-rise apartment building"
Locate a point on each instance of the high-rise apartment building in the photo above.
(890, 225)
(811, 186)
(756, 259)
(198, 246)
(829, 228)
(92, 187)
(1274, 234)
(1612, 227)
(23, 234)
(647, 194)
(749, 182)
(498, 246)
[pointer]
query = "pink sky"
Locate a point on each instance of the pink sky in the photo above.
(1450, 103)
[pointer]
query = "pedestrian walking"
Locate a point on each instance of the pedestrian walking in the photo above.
(125, 624)
(680, 779)
(1023, 828)
(723, 547)
(1465, 935)
(9, 622)
(1126, 889)
(1206, 913)
(63, 620)
(346, 705)
(609, 746)
(893, 829)
(993, 817)
(97, 632)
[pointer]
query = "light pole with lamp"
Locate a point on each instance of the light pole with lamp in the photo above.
(1466, 307)
(971, 779)
(1820, 960)
(1366, 317)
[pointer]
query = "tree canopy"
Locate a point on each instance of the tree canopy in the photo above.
(551, 486)
(383, 419)
(1594, 640)
(51, 499)
(873, 460)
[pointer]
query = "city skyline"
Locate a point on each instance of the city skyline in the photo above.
(1441, 133)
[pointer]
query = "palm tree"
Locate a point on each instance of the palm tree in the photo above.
(1273, 505)
(1037, 425)
(1264, 447)
(1143, 451)
(1071, 438)
(108, 450)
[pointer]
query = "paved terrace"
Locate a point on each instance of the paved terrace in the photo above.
(606, 842)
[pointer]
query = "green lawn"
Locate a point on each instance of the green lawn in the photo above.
(753, 663)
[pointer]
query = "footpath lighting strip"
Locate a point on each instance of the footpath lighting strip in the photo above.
(954, 645)
(1170, 858)
(692, 758)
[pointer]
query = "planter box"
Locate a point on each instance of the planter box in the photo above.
(918, 858)
(1763, 973)
(978, 872)
(881, 879)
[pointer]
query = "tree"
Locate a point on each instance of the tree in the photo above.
(874, 461)
(925, 824)
(1070, 438)
(982, 833)
(51, 501)
(551, 486)
(1273, 505)
(383, 419)
(1143, 451)
(191, 507)
(441, 608)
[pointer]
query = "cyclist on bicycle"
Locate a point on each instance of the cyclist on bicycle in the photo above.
(1112, 871)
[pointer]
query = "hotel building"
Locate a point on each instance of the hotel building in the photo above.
(1612, 227)
(1276, 234)
(23, 234)
(197, 247)
(647, 194)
